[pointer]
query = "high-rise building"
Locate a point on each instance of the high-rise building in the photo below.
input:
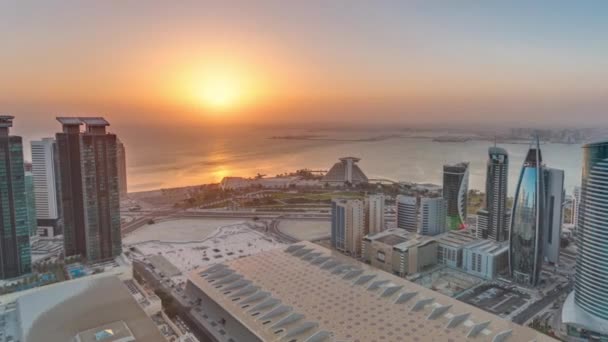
(455, 192)
(586, 309)
(46, 193)
(496, 194)
(348, 225)
(30, 200)
(407, 213)
(374, 214)
(89, 188)
(121, 160)
(432, 216)
(525, 240)
(15, 254)
(554, 213)
(576, 200)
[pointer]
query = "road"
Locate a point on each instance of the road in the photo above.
(542, 303)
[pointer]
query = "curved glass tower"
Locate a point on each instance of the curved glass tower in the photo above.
(525, 255)
(591, 285)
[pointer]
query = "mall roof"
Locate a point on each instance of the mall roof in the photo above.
(308, 293)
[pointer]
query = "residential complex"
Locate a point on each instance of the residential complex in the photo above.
(495, 215)
(455, 192)
(525, 254)
(89, 188)
(46, 187)
(345, 172)
(586, 309)
(374, 212)
(347, 225)
(308, 293)
(15, 256)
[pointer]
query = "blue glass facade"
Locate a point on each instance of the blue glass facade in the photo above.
(591, 285)
(338, 225)
(525, 254)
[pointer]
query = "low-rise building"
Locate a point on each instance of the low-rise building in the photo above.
(399, 252)
(450, 245)
(485, 258)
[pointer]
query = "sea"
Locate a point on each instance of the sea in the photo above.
(189, 156)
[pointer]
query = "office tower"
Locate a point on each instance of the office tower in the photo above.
(407, 213)
(455, 192)
(89, 188)
(347, 225)
(14, 232)
(30, 200)
(481, 231)
(121, 160)
(432, 216)
(345, 172)
(375, 214)
(525, 240)
(44, 170)
(554, 213)
(576, 200)
(496, 194)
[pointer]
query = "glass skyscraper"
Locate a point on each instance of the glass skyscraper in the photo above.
(14, 229)
(496, 194)
(525, 250)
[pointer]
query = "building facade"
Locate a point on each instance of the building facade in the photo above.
(407, 213)
(347, 225)
(30, 200)
(554, 214)
(455, 192)
(585, 311)
(486, 258)
(527, 219)
(121, 160)
(14, 230)
(89, 188)
(46, 186)
(374, 214)
(576, 200)
(432, 216)
(346, 172)
(496, 194)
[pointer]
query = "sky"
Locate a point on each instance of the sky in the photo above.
(536, 63)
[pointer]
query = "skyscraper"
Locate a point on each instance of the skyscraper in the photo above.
(121, 160)
(432, 216)
(375, 214)
(576, 201)
(585, 311)
(455, 192)
(14, 231)
(554, 213)
(347, 225)
(89, 188)
(407, 213)
(46, 192)
(30, 200)
(496, 195)
(525, 239)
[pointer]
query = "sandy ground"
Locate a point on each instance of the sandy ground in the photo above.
(305, 230)
(178, 230)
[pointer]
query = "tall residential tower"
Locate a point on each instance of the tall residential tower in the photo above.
(495, 214)
(15, 254)
(46, 192)
(455, 192)
(89, 188)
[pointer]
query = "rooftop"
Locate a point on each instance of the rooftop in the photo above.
(111, 332)
(90, 121)
(306, 292)
(456, 238)
(489, 246)
(61, 311)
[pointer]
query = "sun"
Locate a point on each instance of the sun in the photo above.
(220, 91)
